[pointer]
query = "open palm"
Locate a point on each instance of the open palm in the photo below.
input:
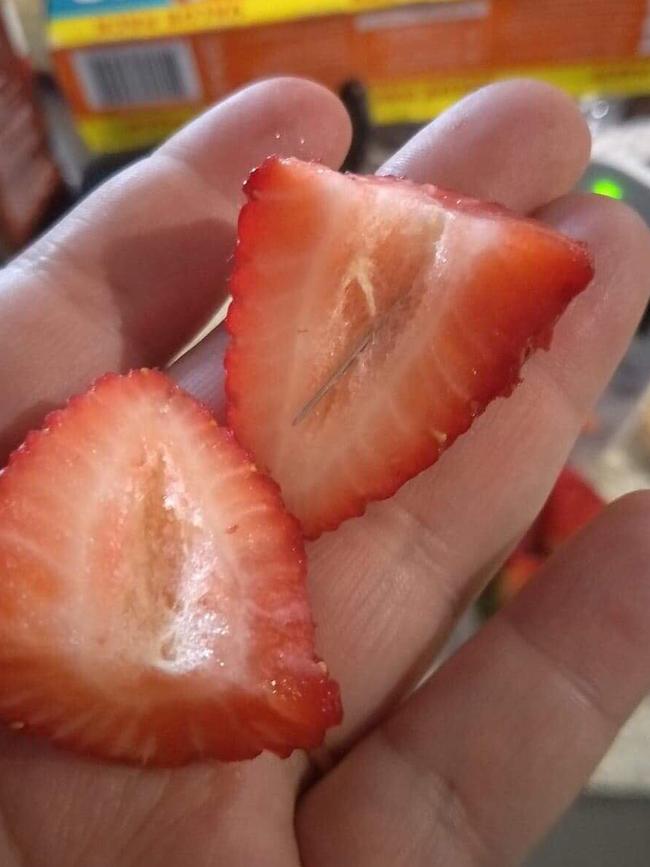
(475, 765)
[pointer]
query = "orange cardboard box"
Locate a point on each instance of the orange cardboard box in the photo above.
(142, 67)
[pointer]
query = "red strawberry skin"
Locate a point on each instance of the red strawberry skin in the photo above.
(153, 606)
(438, 298)
(570, 506)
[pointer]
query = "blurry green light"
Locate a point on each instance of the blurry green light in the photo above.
(607, 187)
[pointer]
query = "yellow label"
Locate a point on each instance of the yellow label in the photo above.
(406, 101)
(123, 132)
(418, 99)
(197, 16)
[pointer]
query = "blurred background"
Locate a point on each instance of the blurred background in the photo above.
(87, 86)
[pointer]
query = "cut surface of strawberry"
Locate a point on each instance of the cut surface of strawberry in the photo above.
(153, 606)
(372, 320)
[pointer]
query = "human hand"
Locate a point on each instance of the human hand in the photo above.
(476, 765)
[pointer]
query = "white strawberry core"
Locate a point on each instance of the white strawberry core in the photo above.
(170, 587)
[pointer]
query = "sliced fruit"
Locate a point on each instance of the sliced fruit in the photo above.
(153, 606)
(570, 506)
(372, 320)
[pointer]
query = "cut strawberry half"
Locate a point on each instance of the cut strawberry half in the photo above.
(153, 606)
(372, 320)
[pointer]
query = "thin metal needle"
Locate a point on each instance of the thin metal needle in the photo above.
(331, 381)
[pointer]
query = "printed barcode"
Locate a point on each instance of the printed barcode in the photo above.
(138, 75)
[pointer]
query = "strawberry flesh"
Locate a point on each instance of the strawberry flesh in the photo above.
(372, 320)
(153, 605)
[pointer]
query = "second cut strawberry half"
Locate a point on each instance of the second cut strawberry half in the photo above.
(153, 606)
(372, 320)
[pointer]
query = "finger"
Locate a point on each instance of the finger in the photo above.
(520, 143)
(130, 275)
(59, 809)
(478, 764)
(201, 372)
